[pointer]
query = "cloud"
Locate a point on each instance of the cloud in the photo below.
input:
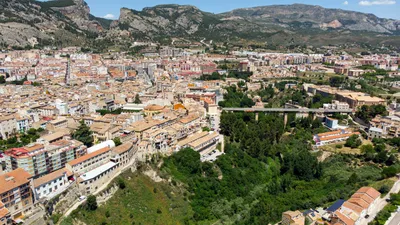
(377, 2)
(345, 3)
(109, 16)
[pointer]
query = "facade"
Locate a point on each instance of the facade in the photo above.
(5, 216)
(123, 154)
(16, 193)
(39, 159)
(390, 125)
(357, 99)
(331, 123)
(90, 161)
(375, 132)
(51, 184)
(91, 180)
(8, 126)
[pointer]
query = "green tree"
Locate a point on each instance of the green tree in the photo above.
(91, 203)
(336, 81)
(84, 134)
(117, 141)
(137, 99)
(2, 80)
(353, 141)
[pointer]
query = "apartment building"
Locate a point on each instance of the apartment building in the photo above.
(51, 184)
(38, 159)
(203, 142)
(123, 154)
(90, 161)
(387, 126)
(5, 216)
(8, 126)
(16, 193)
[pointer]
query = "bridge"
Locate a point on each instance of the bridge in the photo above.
(285, 111)
(288, 110)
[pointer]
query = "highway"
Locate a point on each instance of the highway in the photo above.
(288, 110)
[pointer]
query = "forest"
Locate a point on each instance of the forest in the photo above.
(268, 169)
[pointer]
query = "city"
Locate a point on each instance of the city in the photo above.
(198, 132)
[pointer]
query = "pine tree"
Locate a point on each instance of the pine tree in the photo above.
(84, 134)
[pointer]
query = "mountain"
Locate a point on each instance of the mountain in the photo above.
(281, 24)
(69, 22)
(308, 16)
(29, 22)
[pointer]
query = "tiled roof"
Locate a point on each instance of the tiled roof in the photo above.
(88, 156)
(13, 179)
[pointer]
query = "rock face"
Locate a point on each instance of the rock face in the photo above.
(64, 21)
(69, 22)
(270, 23)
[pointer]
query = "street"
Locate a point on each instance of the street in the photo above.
(395, 220)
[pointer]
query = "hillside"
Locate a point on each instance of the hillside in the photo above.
(60, 22)
(69, 22)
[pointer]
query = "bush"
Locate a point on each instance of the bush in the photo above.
(339, 146)
(121, 183)
(108, 214)
(384, 189)
(159, 211)
(91, 203)
(353, 141)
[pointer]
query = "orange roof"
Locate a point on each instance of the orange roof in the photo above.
(89, 156)
(13, 179)
(178, 106)
(329, 133)
(34, 147)
(344, 218)
(49, 177)
(355, 208)
(3, 211)
(369, 191)
(360, 202)
(338, 136)
(123, 148)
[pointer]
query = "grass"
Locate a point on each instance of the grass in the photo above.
(344, 150)
(389, 182)
(142, 202)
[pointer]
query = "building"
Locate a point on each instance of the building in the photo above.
(39, 159)
(375, 132)
(51, 184)
(293, 218)
(91, 180)
(331, 122)
(5, 216)
(8, 126)
(357, 99)
(16, 193)
(333, 137)
(123, 154)
(390, 126)
(360, 204)
(90, 161)
(203, 142)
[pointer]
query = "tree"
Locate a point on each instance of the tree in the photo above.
(2, 80)
(137, 99)
(117, 141)
(336, 81)
(84, 134)
(121, 183)
(91, 203)
(353, 141)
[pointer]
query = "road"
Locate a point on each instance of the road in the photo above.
(288, 110)
(395, 220)
(381, 204)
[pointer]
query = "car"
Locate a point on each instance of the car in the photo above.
(366, 216)
(82, 198)
(388, 199)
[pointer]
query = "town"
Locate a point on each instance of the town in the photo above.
(72, 122)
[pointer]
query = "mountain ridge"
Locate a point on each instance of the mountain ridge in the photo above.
(30, 22)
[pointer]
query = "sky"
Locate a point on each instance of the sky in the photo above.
(382, 8)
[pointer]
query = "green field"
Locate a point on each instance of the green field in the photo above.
(142, 202)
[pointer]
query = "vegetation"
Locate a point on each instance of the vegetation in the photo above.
(137, 99)
(117, 141)
(236, 98)
(84, 134)
(386, 212)
(21, 140)
(353, 141)
(138, 203)
(91, 203)
(366, 113)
